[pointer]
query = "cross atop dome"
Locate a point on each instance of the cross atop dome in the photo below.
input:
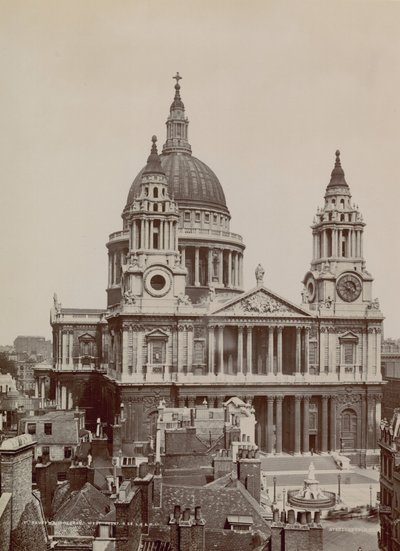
(177, 77)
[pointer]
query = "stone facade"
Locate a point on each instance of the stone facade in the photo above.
(179, 328)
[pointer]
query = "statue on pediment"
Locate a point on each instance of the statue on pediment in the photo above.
(260, 272)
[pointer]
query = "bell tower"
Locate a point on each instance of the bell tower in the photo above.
(338, 277)
(153, 269)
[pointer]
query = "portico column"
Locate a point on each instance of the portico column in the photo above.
(332, 424)
(306, 349)
(210, 267)
(306, 424)
(211, 350)
(36, 388)
(197, 266)
(297, 413)
(183, 257)
(270, 350)
(278, 423)
(322, 350)
(189, 348)
(42, 389)
(324, 432)
(270, 423)
(249, 350)
(221, 349)
(229, 281)
(240, 350)
(139, 348)
(279, 351)
(298, 349)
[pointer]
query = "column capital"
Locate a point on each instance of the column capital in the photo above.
(298, 397)
(333, 397)
(270, 399)
(298, 329)
(279, 397)
(306, 398)
(325, 397)
(279, 328)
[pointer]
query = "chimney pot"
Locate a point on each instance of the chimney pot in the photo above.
(303, 517)
(197, 513)
(283, 517)
(276, 515)
(186, 514)
(317, 517)
(309, 517)
(177, 512)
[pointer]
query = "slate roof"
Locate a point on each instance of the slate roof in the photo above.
(83, 508)
(216, 502)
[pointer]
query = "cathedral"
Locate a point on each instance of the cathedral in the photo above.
(179, 327)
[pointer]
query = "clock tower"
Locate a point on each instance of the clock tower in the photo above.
(338, 279)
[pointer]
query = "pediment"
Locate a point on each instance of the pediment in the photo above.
(260, 302)
(157, 334)
(348, 336)
(86, 337)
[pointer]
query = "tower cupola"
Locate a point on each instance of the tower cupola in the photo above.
(177, 125)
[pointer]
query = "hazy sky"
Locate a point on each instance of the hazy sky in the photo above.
(271, 89)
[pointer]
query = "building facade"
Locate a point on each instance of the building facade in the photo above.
(391, 374)
(179, 327)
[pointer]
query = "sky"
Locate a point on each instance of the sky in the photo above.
(271, 89)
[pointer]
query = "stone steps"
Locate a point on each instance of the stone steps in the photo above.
(297, 463)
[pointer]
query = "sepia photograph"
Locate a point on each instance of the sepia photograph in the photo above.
(200, 347)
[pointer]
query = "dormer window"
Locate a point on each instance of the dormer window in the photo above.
(198, 217)
(239, 523)
(207, 218)
(187, 216)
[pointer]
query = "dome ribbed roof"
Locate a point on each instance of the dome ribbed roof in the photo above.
(191, 182)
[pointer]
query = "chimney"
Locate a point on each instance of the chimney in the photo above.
(16, 473)
(187, 530)
(249, 473)
(145, 484)
(78, 475)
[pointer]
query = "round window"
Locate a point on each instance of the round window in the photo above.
(157, 282)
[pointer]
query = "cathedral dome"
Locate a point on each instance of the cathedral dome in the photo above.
(191, 182)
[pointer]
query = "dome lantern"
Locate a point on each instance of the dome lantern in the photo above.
(177, 125)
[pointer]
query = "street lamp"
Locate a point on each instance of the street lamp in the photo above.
(339, 479)
(274, 502)
(370, 496)
(283, 499)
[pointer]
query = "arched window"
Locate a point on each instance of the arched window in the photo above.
(155, 193)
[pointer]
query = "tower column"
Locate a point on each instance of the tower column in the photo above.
(249, 350)
(221, 267)
(236, 279)
(210, 267)
(229, 280)
(197, 266)
(270, 423)
(142, 234)
(240, 350)
(297, 419)
(324, 432)
(306, 424)
(278, 423)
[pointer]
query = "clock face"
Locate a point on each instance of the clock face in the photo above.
(349, 287)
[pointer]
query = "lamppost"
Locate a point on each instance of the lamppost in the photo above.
(283, 499)
(339, 479)
(274, 502)
(370, 496)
